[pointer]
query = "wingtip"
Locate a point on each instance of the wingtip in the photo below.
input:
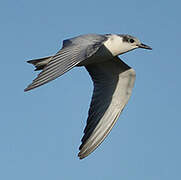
(81, 156)
(26, 89)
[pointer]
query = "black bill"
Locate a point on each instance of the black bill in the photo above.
(144, 46)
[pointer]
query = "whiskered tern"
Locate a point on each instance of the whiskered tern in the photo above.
(113, 79)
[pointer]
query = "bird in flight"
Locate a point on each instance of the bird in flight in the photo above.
(112, 78)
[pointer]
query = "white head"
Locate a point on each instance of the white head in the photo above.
(121, 43)
(129, 43)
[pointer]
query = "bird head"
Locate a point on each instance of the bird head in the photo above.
(131, 42)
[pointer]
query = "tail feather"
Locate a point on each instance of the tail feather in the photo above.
(40, 63)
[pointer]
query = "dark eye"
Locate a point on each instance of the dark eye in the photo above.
(131, 40)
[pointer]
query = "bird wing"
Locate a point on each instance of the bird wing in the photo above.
(113, 82)
(73, 52)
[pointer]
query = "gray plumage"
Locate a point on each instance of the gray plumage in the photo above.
(113, 79)
(113, 83)
(72, 53)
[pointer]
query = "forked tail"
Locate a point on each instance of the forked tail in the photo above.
(40, 63)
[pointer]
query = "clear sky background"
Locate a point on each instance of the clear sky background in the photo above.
(40, 131)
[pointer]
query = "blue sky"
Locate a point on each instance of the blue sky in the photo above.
(40, 131)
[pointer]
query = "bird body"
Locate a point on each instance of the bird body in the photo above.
(113, 79)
